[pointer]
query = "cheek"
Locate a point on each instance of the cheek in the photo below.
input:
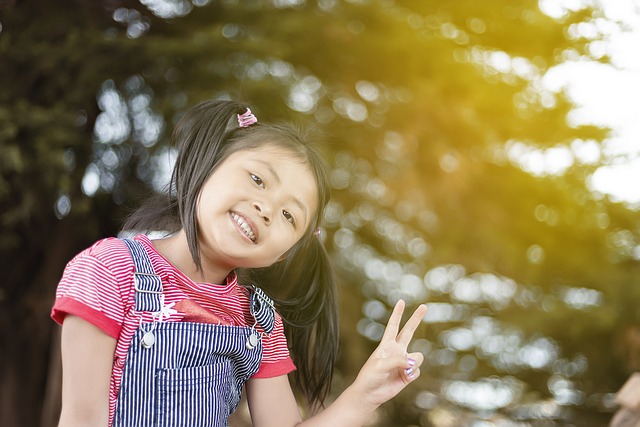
(288, 241)
(287, 250)
(287, 244)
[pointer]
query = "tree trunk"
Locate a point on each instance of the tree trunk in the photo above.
(29, 351)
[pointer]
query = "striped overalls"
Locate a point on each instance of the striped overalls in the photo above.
(182, 374)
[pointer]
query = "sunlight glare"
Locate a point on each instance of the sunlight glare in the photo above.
(606, 95)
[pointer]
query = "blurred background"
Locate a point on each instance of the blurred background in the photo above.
(485, 161)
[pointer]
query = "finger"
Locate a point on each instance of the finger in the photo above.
(393, 362)
(412, 324)
(400, 361)
(417, 357)
(411, 375)
(412, 370)
(412, 366)
(391, 331)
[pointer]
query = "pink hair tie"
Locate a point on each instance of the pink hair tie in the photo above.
(246, 119)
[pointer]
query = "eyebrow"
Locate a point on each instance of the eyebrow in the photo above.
(279, 181)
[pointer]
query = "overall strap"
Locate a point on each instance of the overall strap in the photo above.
(262, 309)
(148, 285)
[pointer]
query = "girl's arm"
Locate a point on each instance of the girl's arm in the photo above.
(389, 369)
(87, 358)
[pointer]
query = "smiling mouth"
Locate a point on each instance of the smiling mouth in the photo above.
(244, 226)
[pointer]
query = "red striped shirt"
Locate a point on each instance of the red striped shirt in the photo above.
(97, 285)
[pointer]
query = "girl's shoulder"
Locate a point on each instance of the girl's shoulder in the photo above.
(106, 259)
(108, 251)
(106, 265)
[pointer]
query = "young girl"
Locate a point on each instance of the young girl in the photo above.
(162, 333)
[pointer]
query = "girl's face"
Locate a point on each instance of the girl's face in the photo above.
(254, 207)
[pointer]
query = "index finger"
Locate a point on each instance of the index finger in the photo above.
(393, 325)
(406, 334)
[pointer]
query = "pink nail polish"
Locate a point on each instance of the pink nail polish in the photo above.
(409, 372)
(411, 362)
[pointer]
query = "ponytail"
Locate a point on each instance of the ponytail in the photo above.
(303, 286)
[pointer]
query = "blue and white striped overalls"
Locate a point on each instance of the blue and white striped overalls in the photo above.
(183, 374)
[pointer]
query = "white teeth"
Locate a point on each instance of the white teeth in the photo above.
(245, 227)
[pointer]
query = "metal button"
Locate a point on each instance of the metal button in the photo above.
(252, 341)
(148, 339)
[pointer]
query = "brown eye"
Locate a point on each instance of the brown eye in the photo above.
(288, 217)
(257, 180)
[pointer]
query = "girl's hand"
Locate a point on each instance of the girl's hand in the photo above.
(390, 368)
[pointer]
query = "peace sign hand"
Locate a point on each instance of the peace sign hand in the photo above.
(390, 368)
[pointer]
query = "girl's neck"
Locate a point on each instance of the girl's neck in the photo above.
(175, 249)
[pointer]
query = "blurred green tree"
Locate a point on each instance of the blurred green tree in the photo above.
(429, 108)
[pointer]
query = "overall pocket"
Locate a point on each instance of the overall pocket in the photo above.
(194, 397)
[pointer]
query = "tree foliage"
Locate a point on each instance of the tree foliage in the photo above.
(429, 108)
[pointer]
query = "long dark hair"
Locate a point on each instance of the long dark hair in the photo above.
(302, 284)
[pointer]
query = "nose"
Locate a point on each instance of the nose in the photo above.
(264, 210)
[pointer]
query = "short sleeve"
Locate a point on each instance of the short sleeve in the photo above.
(276, 360)
(95, 285)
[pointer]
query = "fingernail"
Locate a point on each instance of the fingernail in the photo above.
(409, 372)
(411, 362)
